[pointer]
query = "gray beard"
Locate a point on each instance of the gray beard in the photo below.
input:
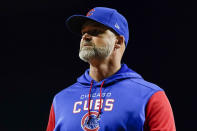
(88, 53)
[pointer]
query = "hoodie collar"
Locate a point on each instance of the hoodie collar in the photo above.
(123, 73)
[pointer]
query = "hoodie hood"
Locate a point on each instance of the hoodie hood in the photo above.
(123, 73)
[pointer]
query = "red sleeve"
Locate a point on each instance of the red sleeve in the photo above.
(51, 122)
(159, 115)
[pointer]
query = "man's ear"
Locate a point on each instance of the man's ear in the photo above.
(119, 41)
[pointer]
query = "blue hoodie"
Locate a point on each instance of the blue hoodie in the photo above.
(113, 104)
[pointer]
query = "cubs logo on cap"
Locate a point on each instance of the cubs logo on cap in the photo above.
(109, 17)
(90, 12)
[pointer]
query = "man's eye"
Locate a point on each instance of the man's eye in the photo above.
(94, 32)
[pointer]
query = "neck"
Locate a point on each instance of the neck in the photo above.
(100, 70)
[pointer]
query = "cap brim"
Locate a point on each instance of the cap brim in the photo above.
(75, 22)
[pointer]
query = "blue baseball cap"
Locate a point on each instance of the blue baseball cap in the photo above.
(109, 17)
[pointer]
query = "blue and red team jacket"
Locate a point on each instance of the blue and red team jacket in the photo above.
(121, 102)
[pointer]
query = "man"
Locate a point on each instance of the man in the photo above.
(109, 96)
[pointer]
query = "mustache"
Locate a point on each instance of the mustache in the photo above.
(87, 43)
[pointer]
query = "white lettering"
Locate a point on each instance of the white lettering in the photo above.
(85, 96)
(85, 108)
(109, 102)
(75, 110)
(83, 105)
(94, 95)
(82, 97)
(108, 94)
(97, 104)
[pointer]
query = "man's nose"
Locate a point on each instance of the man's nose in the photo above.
(87, 37)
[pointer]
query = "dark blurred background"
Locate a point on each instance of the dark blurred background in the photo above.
(39, 56)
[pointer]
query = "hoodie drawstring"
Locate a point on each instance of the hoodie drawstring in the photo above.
(100, 99)
(90, 98)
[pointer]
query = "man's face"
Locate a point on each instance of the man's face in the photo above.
(97, 41)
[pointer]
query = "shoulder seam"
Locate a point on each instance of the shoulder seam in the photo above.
(147, 86)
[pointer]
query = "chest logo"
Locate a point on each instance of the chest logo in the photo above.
(92, 123)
